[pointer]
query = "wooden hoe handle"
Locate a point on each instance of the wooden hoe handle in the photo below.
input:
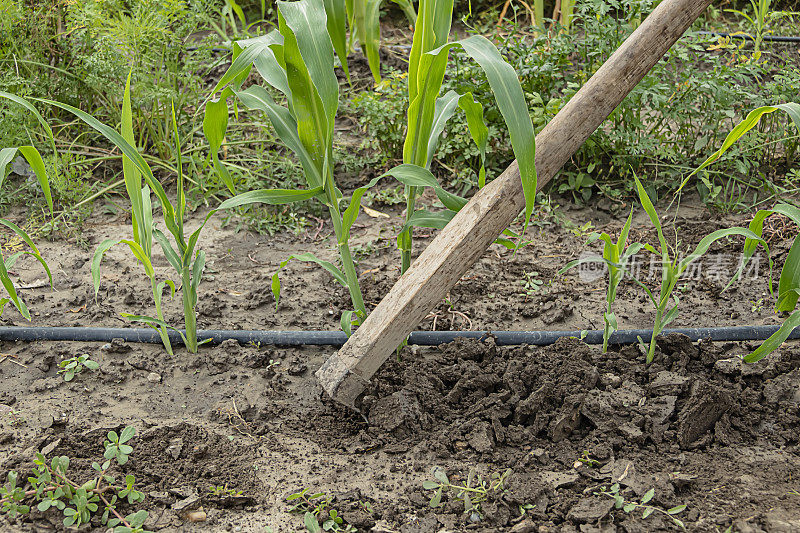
(459, 245)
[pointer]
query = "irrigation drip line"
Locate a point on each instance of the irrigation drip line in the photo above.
(420, 338)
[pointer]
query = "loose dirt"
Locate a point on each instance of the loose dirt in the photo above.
(697, 426)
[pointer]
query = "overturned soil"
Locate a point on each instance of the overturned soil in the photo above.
(233, 430)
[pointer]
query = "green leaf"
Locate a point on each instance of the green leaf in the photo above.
(127, 434)
(311, 258)
(34, 159)
(789, 282)
(215, 124)
(648, 496)
(129, 151)
(270, 196)
(430, 485)
(27, 105)
(513, 106)
(141, 209)
(749, 122)
(676, 510)
(628, 507)
(336, 15)
(311, 523)
(776, 339)
(287, 129)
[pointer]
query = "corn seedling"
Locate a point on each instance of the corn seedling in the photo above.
(182, 254)
(758, 22)
(616, 256)
(789, 282)
(298, 61)
(34, 158)
(673, 266)
(428, 113)
(630, 506)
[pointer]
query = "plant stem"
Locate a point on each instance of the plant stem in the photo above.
(189, 315)
(405, 236)
(656, 330)
(348, 266)
(162, 330)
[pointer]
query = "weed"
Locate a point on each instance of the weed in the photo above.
(223, 490)
(472, 493)
(79, 501)
(531, 283)
(316, 508)
(75, 365)
(629, 506)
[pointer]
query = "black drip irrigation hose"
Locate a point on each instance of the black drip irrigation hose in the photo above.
(420, 338)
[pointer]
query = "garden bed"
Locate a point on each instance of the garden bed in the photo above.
(234, 430)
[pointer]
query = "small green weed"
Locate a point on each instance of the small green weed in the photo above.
(629, 506)
(223, 490)
(75, 365)
(472, 493)
(531, 283)
(79, 501)
(317, 508)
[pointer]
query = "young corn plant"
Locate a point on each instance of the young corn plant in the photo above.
(181, 250)
(789, 282)
(616, 256)
(673, 266)
(428, 113)
(34, 159)
(298, 61)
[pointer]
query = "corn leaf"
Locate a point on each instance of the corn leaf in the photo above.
(270, 196)
(241, 64)
(750, 121)
(131, 175)
(308, 53)
(336, 13)
(28, 241)
(512, 105)
(30, 107)
(215, 124)
(775, 340)
(6, 157)
(34, 159)
(372, 36)
(127, 149)
(257, 98)
(12, 292)
(308, 257)
(789, 283)
(106, 245)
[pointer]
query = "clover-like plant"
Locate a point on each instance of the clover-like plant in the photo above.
(53, 487)
(643, 505)
(472, 493)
